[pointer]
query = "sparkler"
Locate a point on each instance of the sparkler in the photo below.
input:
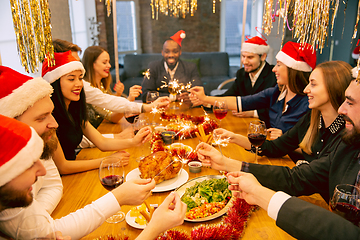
(147, 73)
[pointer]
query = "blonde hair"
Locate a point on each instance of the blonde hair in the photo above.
(90, 55)
(337, 77)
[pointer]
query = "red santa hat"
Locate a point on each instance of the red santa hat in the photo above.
(255, 45)
(20, 147)
(18, 92)
(301, 57)
(65, 63)
(178, 37)
(356, 52)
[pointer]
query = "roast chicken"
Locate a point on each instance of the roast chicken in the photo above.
(153, 164)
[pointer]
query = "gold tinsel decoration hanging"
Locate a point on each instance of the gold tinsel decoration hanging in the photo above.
(310, 19)
(32, 27)
(108, 6)
(174, 8)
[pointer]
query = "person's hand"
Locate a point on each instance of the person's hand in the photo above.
(161, 102)
(223, 133)
(134, 192)
(274, 133)
(210, 157)
(142, 136)
(172, 209)
(134, 92)
(59, 236)
(183, 97)
(119, 88)
(123, 155)
(244, 185)
(126, 133)
(243, 114)
(197, 95)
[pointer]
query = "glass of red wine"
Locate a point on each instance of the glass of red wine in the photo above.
(346, 202)
(151, 96)
(131, 115)
(257, 134)
(220, 109)
(111, 175)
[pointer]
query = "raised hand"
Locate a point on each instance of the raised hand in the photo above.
(134, 92)
(119, 88)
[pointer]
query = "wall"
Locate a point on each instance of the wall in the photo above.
(60, 19)
(202, 29)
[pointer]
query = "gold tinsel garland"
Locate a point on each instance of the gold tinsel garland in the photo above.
(32, 27)
(310, 19)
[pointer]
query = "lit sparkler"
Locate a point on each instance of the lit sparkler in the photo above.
(147, 73)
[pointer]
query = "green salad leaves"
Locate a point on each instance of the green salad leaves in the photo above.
(208, 191)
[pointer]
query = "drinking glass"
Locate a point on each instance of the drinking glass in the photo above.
(220, 109)
(346, 202)
(35, 227)
(131, 114)
(151, 96)
(173, 88)
(257, 134)
(111, 175)
(139, 124)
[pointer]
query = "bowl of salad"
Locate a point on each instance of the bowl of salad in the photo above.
(206, 197)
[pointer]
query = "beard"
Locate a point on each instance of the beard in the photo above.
(350, 137)
(50, 144)
(11, 198)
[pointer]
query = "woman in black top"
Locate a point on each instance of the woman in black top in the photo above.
(70, 113)
(319, 129)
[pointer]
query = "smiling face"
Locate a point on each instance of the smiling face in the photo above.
(281, 73)
(102, 66)
(350, 110)
(171, 53)
(71, 85)
(17, 192)
(251, 61)
(317, 92)
(39, 117)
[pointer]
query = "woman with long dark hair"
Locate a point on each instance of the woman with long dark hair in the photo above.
(70, 113)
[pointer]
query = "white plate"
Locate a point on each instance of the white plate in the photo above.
(166, 185)
(131, 221)
(181, 190)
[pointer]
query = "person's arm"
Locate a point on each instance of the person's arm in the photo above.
(113, 103)
(115, 144)
(69, 167)
(51, 189)
(199, 93)
(304, 220)
(87, 219)
(211, 157)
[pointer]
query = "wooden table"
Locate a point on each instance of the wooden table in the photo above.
(83, 188)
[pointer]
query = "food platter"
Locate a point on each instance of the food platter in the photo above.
(181, 190)
(164, 186)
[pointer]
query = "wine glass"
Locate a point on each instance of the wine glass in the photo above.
(346, 202)
(111, 175)
(220, 109)
(139, 124)
(35, 227)
(173, 88)
(151, 96)
(257, 134)
(131, 114)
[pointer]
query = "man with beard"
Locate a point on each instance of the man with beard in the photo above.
(20, 167)
(28, 100)
(169, 68)
(255, 76)
(274, 187)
